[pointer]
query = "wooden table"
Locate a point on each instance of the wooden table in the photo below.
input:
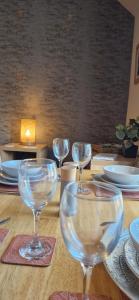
(37, 283)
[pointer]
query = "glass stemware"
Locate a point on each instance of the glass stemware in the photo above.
(81, 154)
(91, 223)
(60, 149)
(37, 184)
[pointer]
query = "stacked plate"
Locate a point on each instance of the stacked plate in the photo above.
(9, 172)
(131, 247)
(123, 266)
(124, 177)
(123, 263)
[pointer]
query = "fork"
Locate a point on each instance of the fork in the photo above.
(5, 220)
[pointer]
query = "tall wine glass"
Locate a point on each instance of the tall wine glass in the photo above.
(37, 184)
(81, 154)
(60, 149)
(91, 223)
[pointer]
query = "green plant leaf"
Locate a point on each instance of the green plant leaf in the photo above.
(131, 132)
(120, 134)
(120, 127)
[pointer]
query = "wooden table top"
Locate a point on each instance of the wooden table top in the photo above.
(38, 283)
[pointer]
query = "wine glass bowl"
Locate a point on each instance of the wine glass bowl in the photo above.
(81, 154)
(91, 222)
(37, 183)
(60, 149)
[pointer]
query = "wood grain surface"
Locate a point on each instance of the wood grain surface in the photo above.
(38, 283)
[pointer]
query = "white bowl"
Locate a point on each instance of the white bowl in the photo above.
(10, 167)
(122, 174)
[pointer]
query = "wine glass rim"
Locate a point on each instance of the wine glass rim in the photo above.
(109, 187)
(30, 160)
(82, 143)
(62, 139)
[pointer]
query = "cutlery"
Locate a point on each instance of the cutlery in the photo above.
(5, 220)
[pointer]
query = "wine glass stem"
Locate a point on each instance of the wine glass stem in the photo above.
(87, 272)
(60, 165)
(36, 215)
(80, 173)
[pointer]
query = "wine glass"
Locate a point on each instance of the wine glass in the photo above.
(37, 184)
(81, 154)
(91, 223)
(60, 149)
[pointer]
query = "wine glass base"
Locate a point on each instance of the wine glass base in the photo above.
(58, 177)
(83, 190)
(38, 251)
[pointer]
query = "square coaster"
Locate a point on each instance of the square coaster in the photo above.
(11, 254)
(75, 296)
(3, 233)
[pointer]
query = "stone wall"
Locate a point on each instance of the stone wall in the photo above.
(67, 63)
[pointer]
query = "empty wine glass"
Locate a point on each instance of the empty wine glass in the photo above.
(81, 154)
(37, 184)
(91, 223)
(60, 149)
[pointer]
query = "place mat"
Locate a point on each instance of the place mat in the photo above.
(105, 156)
(75, 296)
(9, 189)
(132, 195)
(11, 254)
(3, 233)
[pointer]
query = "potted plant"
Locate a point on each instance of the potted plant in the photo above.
(129, 135)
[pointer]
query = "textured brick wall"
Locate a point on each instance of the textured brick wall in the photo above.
(66, 62)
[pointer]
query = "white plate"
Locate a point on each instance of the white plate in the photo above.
(7, 182)
(123, 187)
(15, 183)
(5, 176)
(132, 257)
(118, 270)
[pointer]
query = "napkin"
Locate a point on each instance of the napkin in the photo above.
(105, 156)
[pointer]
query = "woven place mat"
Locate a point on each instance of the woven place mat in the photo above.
(11, 254)
(75, 296)
(132, 195)
(5, 188)
(3, 233)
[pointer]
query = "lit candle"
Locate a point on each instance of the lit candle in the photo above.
(28, 135)
(28, 131)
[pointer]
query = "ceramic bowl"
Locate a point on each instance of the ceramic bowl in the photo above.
(122, 174)
(10, 167)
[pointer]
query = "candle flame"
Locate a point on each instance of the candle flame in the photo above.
(27, 133)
